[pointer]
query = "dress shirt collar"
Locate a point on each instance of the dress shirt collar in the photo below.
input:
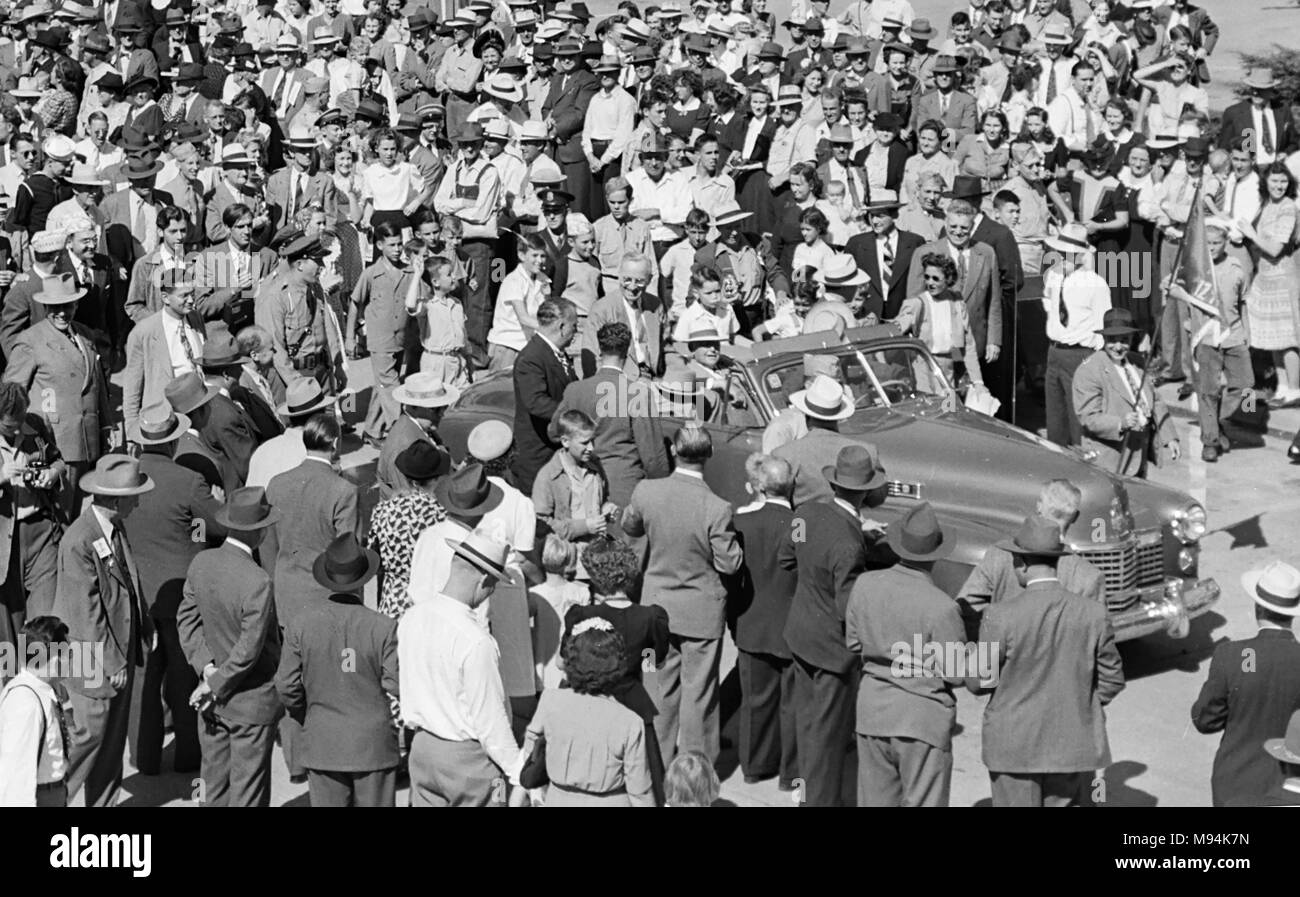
(554, 348)
(847, 507)
(105, 525)
(690, 473)
(321, 460)
(775, 500)
(236, 543)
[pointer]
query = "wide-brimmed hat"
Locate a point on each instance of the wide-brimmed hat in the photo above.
(729, 213)
(246, 509)
(1196, 148)
(157, 424)
(233, 155)
(323, 35)
(371, 110)
(27, 89)
(946, 65)
(38, 10)
(533, 131)
(304, 397)
(426, 390)
(503, 87)
(1287, 748)
(919, 536)
(1038, 536)
(697, 43)
(345, 566)
(840, 134)
(489, 440)
(856, 467)
(610, 64)
(1274, 587)
(468, 492)
(1117, 322)
(301, 138)
(921, 29)
(703, 333)
(1260, 79)
(1163, 142)
(842, 271)
(116, 475)
(965, 186)
(221, 351)
(59, 290)
(1056, 34)
(137, 169)
(140, 81)
(1070, 238)
(96, 43)
(50, 38)
(789, 95)
(49, 241)
(187, 392)
(882, 200)
(484, 551)
(824, 399)
(422, 460)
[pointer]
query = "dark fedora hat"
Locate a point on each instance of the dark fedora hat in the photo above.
(422, 460)
(246, 509)
(919, 536)
(187, 392)
(468, 492)
(345, 566)
(856, 467)
(221, 351)
(1038, 536)
(965, 186)
(1117, 322)
(946, 65)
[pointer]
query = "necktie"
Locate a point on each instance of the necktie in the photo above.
(1266, 137)
(1051, 83)
(1232, 197)
(187, 345)
(1062, 310)
(1089, 131)
(943, 104)
(853, 187)
(295, 190)
(886, 267)
(1138, 404)
(141, 225)
(279, 91)
(961, 271)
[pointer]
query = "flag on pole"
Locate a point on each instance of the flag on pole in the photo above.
(1195, 274)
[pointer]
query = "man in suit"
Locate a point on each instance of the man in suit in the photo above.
(1253, 688)
(1267, 125)
(163, 346)
(174, 522)
(629, 440)
(131, 232)
(284, 85)
(226, 420)
(955, 108)
(423, 399)
(21, 310)
(763, 593)
(91, 271)
(824, 403)
(1055, 670)
(1124, 431)
(541, 373)
(100, 597)
(199, 448)
(979, 282)
(317, 505)
(885, 253)
(906, 709)
(296, 186)
(226, 275)
(349, 743)
(227, 625)
(565, 111)
(691, 546)
(827, 550)
(56, 362)
(629, 299)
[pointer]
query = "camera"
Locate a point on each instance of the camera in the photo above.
(31, 474)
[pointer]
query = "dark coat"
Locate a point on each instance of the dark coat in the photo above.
(896, 161)
(765, 587)
(343, 706)
(229, 430)
(863, 249)
(1237, 120)
(227, 618)
(569, 109)
(1251, 691)
(1011, 274)
(404, 433)
(827, 560)
(171, 525)
(1058, 667)
(540, 380)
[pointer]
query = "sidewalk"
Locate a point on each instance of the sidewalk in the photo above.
(1281, 423)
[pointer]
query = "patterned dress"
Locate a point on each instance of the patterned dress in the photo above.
(1273, 303)
(394, 528)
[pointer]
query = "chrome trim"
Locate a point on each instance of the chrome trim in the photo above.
(1160, 608)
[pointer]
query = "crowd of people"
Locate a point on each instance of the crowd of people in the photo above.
(222, 209)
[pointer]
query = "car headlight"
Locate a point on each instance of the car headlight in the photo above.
(1189, 524)
(1186, 559)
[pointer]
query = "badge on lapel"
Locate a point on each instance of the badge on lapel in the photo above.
(103, 552)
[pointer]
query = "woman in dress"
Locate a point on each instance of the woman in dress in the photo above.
(811, 83)
(614, 572)
(1117, 129)
(347, 182)
(752, 136)
(1038, 132)
(1094, 198)
(58, 105)
(388, 185)
(1272, 302)
(937, 316)
(1143, 211)
(688, 116)
(986, 155)
(594, 747)
(787, 233)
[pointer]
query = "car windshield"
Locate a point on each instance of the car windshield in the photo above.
(880, 377)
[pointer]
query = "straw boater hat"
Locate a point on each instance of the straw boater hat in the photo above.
(730, 213)
(468, 493)
(610, 64)
(345, 566)
(882, 200)
(27, 89)
(489, 440)
(483, 551)
(824, 399)
(246, 510)
(1287, 748)
(301, 138)
(1070, 238)
(919, 536)
(503, 87)
(1275, 587)
(705, 333)
(426, 390)
(1056, 34)
(842, 271)
(158, 424)
(61, 289)
(856, 467)
(323, 36)
(116, 476)
(304, 397)
(1038, 536)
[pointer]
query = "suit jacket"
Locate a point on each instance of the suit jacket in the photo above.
(540, 380)
(827, 560)
(1011, 275)
(123, 244)
(1101, 399)
(807, 456)
(294, 96)
(1058, 667)
(320, 191)
(961, 115)
(148, 364)
(36, 442)
(227, 618)
(214, 280)
(692, 545)
(259, 413)
(99, 596)
(190, 199)
(1248, 705)
(194, 453)
(1237, 120)
(864, 251)
(144, 295)
(316, 505)
(65, 383)
(92, 308)
(343, 708)
(229, 430)
(609, 309)
(404, 433)
(21, 310)
(982, 292)
(765, 588)
(172, 524)
(896, 157)
(569, 109)
(629, 438)
(994, 579)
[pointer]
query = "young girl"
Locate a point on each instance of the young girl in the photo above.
(814, 251)
(789, 317)
(522, 292)
(937, 317)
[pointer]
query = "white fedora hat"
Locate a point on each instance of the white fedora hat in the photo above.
(825, 399)
(1071, 238)
(1275, 587)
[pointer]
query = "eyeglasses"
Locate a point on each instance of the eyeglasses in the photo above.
(26, 154)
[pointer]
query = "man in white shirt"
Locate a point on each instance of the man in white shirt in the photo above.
(659, 197)
(794, 141)
(1241, 202)
(1075, 299)
(452, 694)
(163, 346)
(1069, 115)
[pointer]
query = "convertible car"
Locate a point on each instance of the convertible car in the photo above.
(981, 475)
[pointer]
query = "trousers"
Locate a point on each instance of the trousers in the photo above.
(1175, 341)
(1042, 789)
(1062, 422)
(453, 774)
(688, 698)
(384, 409)
(478, 300)
(97, 742)
(377, 788)
(236, 766)
(1217, 401)
(824, 716)
(169, 679)
(767, 729)
(902, 772)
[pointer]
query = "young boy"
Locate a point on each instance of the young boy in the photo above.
(33, 746)
(675, 267)
(708, 308)
(522, 292)
(1219, 343)
(570, 491)
(440, 318)
(577, 275)
(1006, 209)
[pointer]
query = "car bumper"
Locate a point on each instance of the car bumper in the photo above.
(1166, 608)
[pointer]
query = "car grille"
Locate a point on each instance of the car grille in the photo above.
(1136, 562)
